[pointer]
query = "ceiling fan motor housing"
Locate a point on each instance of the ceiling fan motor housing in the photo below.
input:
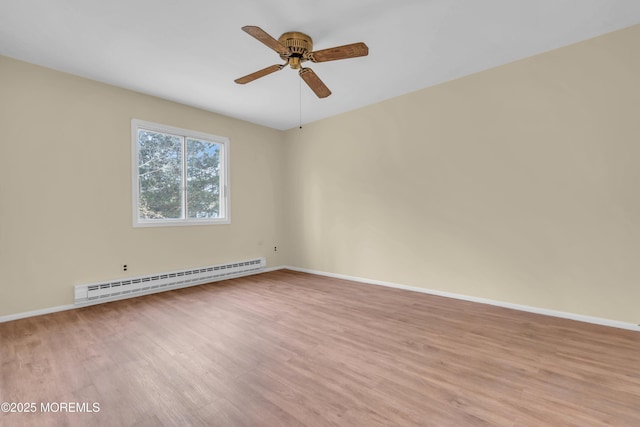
(300, 45)
(295, 48)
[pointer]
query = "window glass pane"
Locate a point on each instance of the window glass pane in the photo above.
(180, 176)
(159, 175)
(203, 179)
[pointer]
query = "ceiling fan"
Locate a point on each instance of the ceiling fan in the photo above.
(295, 48)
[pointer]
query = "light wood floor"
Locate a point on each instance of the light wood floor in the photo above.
(287, 349)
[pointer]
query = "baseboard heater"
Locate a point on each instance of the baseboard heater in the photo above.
(136, 286)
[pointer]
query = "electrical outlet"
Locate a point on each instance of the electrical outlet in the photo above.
(275, 249)
(124, 267)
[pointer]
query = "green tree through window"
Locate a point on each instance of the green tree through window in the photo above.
(159, 175)
(179, 178)
(203, 179)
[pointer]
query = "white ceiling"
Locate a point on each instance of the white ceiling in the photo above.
(190, 51)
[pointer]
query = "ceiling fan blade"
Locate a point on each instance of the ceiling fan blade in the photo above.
(262, 36)
(314, 82)
(264, 72)
(341, 52)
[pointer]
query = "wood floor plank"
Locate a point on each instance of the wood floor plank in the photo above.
(291, 349)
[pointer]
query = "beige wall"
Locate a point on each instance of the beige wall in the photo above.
(519, 184)
(65, 189)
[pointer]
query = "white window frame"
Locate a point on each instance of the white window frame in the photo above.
(225, 210)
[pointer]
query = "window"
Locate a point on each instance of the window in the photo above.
(180, 177)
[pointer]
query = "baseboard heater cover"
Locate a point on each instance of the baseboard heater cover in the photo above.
(136, 286)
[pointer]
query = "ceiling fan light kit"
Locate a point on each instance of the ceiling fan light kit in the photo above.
(296, 48)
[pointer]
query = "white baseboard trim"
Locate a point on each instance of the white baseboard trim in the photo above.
(24, 315)
(537, 310)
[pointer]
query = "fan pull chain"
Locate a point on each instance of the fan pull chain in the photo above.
(300, 96)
